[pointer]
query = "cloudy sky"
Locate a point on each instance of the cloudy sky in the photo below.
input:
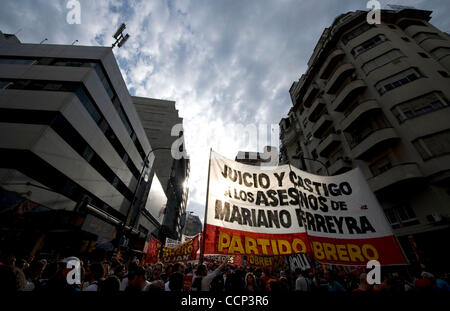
(226, 63)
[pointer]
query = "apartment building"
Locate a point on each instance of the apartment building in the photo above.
(164, 129)
(72, 148)
(377, 97)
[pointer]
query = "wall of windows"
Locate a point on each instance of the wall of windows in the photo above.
(434, 145)
(369, 44)
(401, 216)
(420, 106)
(398, 80)
(356, 33)
(381, 61)
(70, 135)
(101, 73)
(87, 102)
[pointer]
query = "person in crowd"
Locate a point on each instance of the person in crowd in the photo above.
(442, 284)
(250, 283)
(34, 274)
(331, 284)
(110, 285)
(136, 280)
(176, 282)
(156, 272)
(202, 279)
(301, 283)
(96, 274)
(363, 285)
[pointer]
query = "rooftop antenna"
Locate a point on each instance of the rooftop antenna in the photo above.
(74, 42)
(120, 38)
(43, 41)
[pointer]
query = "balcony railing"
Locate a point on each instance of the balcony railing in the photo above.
(359, 136)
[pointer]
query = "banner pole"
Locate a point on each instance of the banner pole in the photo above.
(202, 249)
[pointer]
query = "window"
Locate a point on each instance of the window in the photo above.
(4, 84)
(369, 44)
(87, 103)
(398, 80)
(434, 145)
(356, 32)
(423, 55)
(441, 52)
(420, 106)
(309, 137)
(381, 61)
(401, 216)
(422, 36)
(305, 123)
(381, 165)
(88, 153)
(16, 61)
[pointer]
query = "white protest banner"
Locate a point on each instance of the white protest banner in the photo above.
(285, 211)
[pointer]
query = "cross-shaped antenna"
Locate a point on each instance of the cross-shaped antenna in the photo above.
(43, 41)
(74, 42)
(120, 38)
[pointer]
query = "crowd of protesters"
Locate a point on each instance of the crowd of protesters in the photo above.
(33, 274)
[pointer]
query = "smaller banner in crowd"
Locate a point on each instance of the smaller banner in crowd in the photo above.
(183, 252)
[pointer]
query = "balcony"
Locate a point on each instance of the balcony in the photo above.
(432, 44)
(327, 144)
(288, 136)
(340, 166)
(359, 112)
(415, 29)
(338, 77)
(330, 63)
(322, 125)
(311, 95)
(405, 172)
(316, 109)
(372, 139)
(348, 93)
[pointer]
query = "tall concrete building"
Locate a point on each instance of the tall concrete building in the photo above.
(72, 147)
(164, 129)
(192, 226)
(377, 97)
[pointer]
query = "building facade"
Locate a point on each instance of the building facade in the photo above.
(376, 97)
(192, 226)
(164, 130)
(72, 149)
